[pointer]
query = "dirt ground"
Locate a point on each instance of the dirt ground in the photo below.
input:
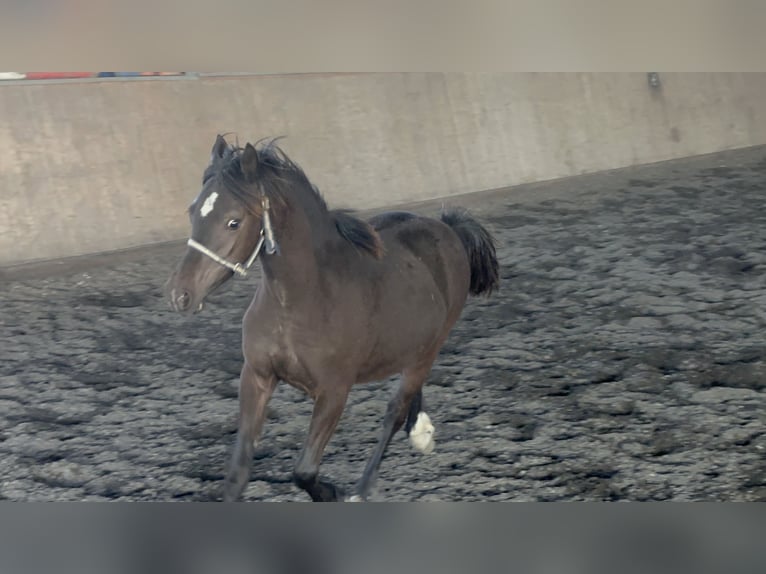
(623, 359)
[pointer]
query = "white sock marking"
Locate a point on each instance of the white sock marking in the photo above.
(207, 207)
(422, 434)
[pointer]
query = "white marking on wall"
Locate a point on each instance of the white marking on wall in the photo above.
(207, 207)
(422, 434)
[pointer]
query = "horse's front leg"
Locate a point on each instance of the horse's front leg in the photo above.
(328, 408)
(255, 390)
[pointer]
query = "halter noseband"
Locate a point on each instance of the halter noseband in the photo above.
(266, 237)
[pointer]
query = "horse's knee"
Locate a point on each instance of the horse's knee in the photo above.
(304, 478)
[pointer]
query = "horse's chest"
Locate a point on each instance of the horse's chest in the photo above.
(290, 364)
(295, 352)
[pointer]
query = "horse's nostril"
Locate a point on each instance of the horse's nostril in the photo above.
(183, 301)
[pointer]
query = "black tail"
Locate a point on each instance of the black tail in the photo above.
(480, 246)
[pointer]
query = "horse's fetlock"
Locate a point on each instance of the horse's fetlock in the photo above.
(304, 478)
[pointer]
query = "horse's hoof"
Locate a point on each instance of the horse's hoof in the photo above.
(355, 498)
(231, 493)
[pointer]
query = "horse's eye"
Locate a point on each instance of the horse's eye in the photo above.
(233, 224)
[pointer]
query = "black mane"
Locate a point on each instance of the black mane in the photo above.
(279, 177)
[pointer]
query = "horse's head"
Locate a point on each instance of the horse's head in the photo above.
(229, 226)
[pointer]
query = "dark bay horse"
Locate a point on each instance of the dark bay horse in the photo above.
(342, 301)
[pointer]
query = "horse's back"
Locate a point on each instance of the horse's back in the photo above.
(390, 219)
(427, 254)
(434, 244)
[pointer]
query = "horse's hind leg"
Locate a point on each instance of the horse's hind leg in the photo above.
(400, 408)
(328, 408)
(418, 426)
(254, 394)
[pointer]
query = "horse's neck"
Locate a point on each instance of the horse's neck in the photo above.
(294, 269)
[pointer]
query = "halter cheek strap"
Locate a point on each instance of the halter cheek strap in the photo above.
(267, 232)
(266, 238)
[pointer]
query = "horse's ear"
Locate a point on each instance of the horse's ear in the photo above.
(219, 147)
(248, 162)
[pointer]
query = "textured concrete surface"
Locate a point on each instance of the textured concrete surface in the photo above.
(94, 166)
(623, 360)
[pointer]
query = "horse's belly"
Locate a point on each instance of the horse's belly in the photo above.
(405, 340)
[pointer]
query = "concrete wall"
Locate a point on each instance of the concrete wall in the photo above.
(100, 165)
